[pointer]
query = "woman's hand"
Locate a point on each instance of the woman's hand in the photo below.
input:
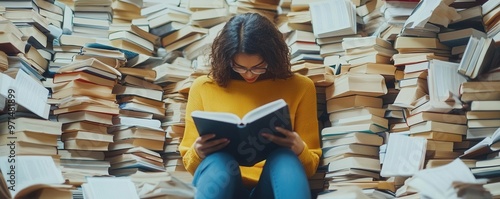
(291, 140)
(204, 145)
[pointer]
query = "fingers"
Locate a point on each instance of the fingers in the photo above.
(214, 148)
(204, 145)
(286, 141)
(291, 140)
(213, 143)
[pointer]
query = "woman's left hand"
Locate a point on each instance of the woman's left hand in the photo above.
(291, 140)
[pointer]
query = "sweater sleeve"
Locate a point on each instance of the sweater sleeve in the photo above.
(190, 158)
(306, 125)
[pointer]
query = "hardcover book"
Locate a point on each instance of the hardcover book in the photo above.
(246, 144)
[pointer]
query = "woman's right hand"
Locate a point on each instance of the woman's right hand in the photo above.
(205, 145)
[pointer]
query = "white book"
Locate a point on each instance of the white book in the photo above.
(437, 182)
(404, 155)
(333, 18)
(475, 57)
(31, 172)
(130, 121)
(67, 25)
(109, 187)
(443, 81)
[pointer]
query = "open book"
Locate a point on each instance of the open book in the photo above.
(30, 174)
(246, 142)
(487, 145)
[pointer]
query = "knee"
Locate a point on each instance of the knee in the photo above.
(218, 171)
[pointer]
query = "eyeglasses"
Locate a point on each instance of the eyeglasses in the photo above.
(255, 69)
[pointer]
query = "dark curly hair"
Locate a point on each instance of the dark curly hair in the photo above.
(249, 33)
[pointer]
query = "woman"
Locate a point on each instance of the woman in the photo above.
(251, 67)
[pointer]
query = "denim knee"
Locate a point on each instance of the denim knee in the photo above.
(218, 176)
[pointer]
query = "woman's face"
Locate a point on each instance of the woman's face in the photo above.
(249, 66)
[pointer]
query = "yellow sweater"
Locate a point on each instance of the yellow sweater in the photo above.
(239, 97)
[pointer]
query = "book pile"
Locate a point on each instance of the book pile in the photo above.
(86, 107)
(138, 136)
(44, 182)
(127, 12)
(24, 108)
(92, 18)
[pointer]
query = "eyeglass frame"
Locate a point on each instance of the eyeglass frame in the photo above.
(236, 67)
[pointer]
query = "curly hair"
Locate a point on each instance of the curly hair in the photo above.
(249, 33)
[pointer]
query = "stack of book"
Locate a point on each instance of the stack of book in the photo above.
(124, 12)
(86, 107)
(208, 14)
(92, 18)
(351, 144)
(30, 136)
(134, 39)
(135, 159)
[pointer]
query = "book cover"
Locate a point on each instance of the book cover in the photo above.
(246, 144)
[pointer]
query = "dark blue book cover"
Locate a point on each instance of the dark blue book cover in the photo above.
(247, 144)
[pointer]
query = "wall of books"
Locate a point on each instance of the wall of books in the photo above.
(99, 88)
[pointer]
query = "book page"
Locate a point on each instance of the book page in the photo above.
(31, 94)
(480, 148)
(421, 14)
(329, 17)
(217, 116)
(495, 141)
(28, 171)
(444, 81)
(437, 182)
(404, 155)
(109, 187)
(263, 110)
(5, 83)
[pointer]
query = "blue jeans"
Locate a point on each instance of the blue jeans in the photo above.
(218, 176)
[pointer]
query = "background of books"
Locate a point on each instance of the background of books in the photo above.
(403, 88)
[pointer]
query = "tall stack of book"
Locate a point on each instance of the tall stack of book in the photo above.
(24, 124)
(432, 115)
(322, 77)
(483, 127)
(175, 98)
(86, 108)
(350, 145)
(140, 107)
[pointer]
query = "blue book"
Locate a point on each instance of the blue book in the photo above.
(246, 144)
